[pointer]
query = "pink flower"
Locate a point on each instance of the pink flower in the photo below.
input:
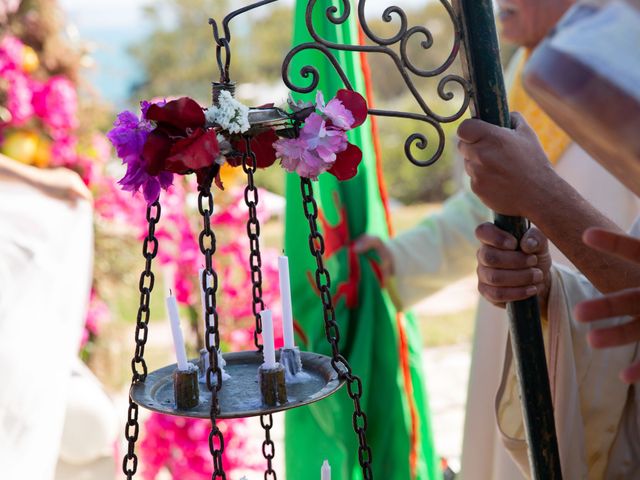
(335, 111)
(63, 151)
(11, 51)
(97, 315)
(326, 141)
(57, 103)
(19, 96)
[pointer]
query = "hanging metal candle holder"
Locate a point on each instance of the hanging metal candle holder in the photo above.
(239, 396)
(475, 44)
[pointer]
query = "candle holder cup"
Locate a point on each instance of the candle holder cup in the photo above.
(272, 385)
(185, 388)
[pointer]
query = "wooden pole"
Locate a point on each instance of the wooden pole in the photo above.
(483, 63)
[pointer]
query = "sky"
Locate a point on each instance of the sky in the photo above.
(110, 26)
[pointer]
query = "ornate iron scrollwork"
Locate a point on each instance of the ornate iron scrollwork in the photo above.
(401, 59)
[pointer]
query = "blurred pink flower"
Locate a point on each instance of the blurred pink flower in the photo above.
(97, 315)
(180, 445)
(19, 96)
(56, 103)
(63, 150)
(11, 52)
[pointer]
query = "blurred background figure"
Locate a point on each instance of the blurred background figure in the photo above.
(53, 411)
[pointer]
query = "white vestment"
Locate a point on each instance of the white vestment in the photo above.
(46, 248)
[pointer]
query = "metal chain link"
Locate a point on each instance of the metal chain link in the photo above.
(253, 232)
(268, 447)
(207, 242)
(339, 363)
(249, 165)
(138, 365)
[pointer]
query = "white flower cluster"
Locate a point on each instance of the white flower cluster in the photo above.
(230, 114)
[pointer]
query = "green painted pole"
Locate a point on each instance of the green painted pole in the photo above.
(483, 62)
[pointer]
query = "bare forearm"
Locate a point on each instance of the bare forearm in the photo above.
(564, 215)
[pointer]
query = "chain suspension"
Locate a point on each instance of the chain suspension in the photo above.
(253, 232)
(339, 363)
(207, 241)
(249, 165)
(138, 365)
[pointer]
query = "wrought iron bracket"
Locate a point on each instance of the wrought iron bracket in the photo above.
(395, 48)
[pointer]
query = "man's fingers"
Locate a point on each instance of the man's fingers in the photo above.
(615, 336)
(491, 235)
(365, 243)
(625, 302)
(500, 295)
(474, 130)
(505, 259)
(518, 123)
(533, 241)
(614, 243)
(509, 278)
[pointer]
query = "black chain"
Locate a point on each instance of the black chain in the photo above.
(253, 232)
(268, 447)
(339, 363)
(207, 241)
(249, 165)
(138, 365)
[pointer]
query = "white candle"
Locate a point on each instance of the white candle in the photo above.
(285, 298)
(269, 350)
(325, 472)
(204, 305)
(178, 341)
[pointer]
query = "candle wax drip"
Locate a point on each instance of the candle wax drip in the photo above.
(290, 360)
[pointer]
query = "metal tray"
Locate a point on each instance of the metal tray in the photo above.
(240, 395)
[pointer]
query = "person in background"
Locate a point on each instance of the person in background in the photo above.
(442, 248)
(55, 419)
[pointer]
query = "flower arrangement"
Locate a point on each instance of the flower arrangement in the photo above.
(180, 137)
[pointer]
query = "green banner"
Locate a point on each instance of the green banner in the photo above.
(382, 346)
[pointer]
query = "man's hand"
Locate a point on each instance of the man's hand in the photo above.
(623, 302)
(506, 274)
(509, 170)
(365, 243)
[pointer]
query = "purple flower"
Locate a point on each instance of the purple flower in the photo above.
(335, 111)
(128, 136)
(327, 142)
(290, 151)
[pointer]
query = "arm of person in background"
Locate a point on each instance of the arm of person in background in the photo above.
(511, 175)
(433, 254)
(623, 302)
(60, 183)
